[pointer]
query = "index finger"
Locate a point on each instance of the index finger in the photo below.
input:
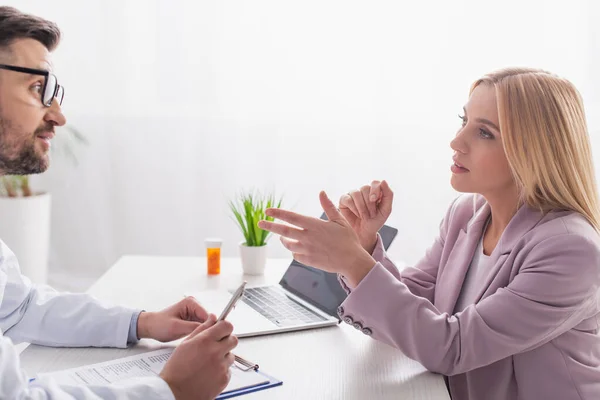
(219, 331)
(293, 218)
(375, 193)
(210, 321)
(386, 191)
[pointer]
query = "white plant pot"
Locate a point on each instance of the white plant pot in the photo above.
(254, 259)
(25, 228)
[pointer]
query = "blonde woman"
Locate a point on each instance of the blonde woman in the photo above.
(505, 303)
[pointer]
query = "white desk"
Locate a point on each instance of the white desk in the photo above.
(329, 363)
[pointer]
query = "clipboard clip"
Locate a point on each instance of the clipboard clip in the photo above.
(243, 364)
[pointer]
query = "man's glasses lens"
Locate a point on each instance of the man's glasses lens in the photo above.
(60, 94)
(53, 89)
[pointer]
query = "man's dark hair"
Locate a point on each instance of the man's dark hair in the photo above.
(17, 25)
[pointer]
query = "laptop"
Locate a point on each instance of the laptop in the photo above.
(304, 298)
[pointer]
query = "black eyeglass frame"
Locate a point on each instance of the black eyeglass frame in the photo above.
(46, 75)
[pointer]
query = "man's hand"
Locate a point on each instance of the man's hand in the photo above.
(173, 322)
(199, 367)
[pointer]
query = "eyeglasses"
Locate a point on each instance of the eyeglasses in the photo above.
(52, 90)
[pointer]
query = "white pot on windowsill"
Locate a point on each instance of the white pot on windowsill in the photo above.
(25, 229)
(254, 259)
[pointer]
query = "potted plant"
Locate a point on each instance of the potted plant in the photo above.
(25, 213)
(249, 208)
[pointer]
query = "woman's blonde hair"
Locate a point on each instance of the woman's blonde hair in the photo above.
(545, 138)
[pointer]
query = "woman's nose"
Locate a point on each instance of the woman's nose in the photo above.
(457, 144)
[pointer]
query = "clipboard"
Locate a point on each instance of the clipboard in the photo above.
(273, 382)
(150, 364)
(249, 368)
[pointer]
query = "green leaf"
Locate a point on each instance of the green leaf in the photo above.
(238, 217)
(248, 208)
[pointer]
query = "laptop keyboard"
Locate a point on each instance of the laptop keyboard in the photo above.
(272, 303)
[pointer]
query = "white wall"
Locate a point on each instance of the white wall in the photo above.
(186, 102)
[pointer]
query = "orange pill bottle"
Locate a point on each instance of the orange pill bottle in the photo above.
(213, 256)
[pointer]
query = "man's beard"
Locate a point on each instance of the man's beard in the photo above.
(21, 158)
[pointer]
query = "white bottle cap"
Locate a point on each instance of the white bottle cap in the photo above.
(213, 243)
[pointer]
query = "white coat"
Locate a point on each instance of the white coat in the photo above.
(40, 315)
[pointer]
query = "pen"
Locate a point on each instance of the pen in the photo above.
(249, 365)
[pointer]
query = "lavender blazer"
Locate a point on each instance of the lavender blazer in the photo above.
(533, 332)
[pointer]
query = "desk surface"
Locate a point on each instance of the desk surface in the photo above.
(327, 363)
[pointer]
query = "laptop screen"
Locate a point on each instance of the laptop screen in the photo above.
(320, 288)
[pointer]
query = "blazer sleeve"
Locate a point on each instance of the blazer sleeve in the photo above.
(421, 278)
(555, 289)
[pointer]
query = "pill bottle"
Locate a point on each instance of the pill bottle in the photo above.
(213, 256)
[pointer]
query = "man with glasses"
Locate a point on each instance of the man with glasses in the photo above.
(30, 109)
(51, 88)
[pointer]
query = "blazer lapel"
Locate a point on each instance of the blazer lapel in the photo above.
(522, 222)
(459, 260)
